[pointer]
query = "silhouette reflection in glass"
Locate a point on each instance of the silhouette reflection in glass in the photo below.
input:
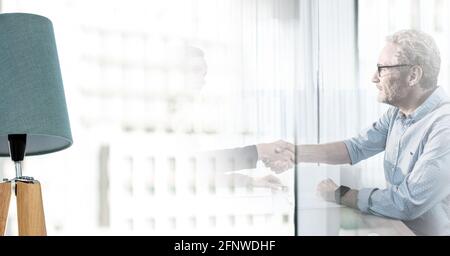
(220, 164)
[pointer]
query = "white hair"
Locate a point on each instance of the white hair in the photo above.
(418, 48)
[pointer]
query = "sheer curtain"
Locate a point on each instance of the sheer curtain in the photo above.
(328, 100)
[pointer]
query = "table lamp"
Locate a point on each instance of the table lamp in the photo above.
(33, 112)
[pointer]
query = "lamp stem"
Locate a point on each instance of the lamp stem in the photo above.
(17, 145)
(18, 165)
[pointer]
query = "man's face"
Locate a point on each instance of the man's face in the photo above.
(196, 70)
(391, 82)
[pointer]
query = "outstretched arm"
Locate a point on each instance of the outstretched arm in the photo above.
(232, 159)
(330, 153)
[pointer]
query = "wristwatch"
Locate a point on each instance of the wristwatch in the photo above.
(340, 192)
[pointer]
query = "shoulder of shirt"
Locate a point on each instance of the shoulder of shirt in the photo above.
(442, 113)
(443, 119)
(441, 126)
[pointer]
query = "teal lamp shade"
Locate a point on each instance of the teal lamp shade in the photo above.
(32, 100)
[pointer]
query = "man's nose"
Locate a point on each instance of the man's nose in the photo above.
(375, 77)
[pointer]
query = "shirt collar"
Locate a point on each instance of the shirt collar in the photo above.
(434, 100)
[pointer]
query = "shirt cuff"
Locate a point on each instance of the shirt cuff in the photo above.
(351, 151)
(364, 201)
(251, 156)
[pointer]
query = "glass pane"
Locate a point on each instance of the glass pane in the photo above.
(154, 89)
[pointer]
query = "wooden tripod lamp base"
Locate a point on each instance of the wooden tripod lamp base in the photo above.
(30, 209)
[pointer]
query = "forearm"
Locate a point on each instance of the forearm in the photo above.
(330, 153)
(232, 159)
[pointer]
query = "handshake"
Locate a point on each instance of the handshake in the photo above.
(279, 156)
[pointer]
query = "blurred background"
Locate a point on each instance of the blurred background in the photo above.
(150, 83)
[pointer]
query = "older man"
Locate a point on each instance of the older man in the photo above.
(414, 133)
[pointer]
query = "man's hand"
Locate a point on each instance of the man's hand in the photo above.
(326, 189)
(279, 156)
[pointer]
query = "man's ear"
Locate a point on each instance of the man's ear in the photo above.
(415, 75)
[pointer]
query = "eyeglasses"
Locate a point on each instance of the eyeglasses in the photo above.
(380, 67)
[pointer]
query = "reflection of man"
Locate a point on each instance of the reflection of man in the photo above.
(276, 155)
(195, 68)
(414, 133)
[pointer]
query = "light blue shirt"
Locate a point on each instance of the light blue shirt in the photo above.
(416, 165)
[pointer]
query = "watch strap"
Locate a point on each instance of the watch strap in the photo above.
(340, 192)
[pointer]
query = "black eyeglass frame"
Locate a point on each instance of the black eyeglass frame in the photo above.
(379, 67)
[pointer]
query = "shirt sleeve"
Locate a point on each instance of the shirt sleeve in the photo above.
(232, 159)
(371, 140)
(427, 184)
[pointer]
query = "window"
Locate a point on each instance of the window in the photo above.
(135, 84)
